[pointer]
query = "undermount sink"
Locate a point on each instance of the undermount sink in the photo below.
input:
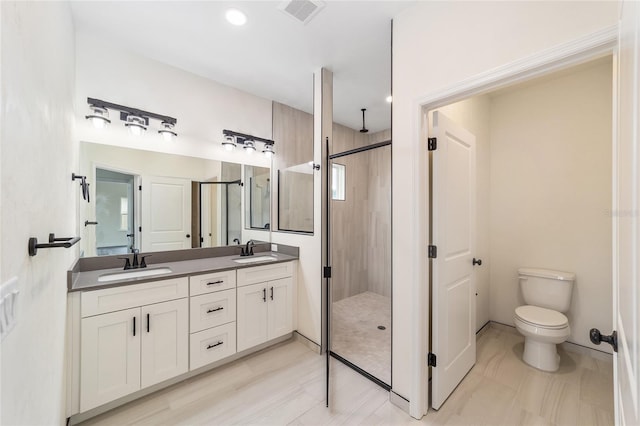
(255, 259)
(136, 273)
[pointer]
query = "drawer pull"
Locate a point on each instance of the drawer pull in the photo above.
(219, 308)
(271, 293)
(215, 282)
(215, 344)
(264, 294)
(134, 326)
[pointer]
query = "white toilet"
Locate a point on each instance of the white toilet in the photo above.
(541, 321)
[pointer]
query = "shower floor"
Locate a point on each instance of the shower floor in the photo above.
(356, 337)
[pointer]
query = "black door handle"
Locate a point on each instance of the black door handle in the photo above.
(477, 262)
(596, 337)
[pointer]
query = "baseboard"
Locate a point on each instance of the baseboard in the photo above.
(399, 401)
(307, 342)
(567, 346)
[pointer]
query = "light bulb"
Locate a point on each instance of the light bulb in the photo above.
(167, 136)
(99, 116)
(249, 147)
(167, 131)
(228, 146)
(136, 125)
(135, 130)
(98, 122)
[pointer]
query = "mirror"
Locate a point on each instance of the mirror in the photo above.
(295, 198)
(257, 197)
(153, 201)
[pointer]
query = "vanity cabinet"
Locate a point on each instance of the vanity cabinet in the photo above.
(265, 309)
(132, 348)
(212, 317)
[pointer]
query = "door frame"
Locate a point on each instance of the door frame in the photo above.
(592, 46)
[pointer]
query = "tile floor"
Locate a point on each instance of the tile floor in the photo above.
(285, 385)
(355, 334)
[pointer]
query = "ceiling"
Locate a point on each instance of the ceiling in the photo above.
(272, 56)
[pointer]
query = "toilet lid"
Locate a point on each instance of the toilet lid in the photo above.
(541, 317)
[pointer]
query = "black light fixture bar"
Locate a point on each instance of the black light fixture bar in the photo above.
(125, 111)
(245, 137)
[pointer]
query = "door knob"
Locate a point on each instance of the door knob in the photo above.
(477, 262)
(596, 337)
(188, 235)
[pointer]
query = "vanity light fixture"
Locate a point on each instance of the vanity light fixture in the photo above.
(268, 150)
(136, 120)
(136, 124)
(248, 143)
(249, 147)
(167, 131)
(99, 116)
(229, 143)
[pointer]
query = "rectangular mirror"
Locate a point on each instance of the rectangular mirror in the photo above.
(154, 201)
(257, 192)
(295, 199)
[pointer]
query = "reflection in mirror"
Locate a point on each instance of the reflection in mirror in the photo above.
(293, 201)
(258, 197)
(295, 198)
(153, 201)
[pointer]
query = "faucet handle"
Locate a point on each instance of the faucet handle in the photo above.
(127, 264)
(143, 264)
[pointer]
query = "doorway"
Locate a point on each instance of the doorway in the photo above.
(115, 212)
(544, 192)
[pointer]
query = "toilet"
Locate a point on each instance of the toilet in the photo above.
(547, 295)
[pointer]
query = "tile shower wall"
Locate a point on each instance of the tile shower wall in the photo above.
(38, 154)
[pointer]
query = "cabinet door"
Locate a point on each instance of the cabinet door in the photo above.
(110, 357)
(252, 315)
(280, 317)
(165, 341)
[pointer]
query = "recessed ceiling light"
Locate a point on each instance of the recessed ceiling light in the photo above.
(236, 17)
(389, 99)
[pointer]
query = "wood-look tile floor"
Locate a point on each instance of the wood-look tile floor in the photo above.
(285, 385)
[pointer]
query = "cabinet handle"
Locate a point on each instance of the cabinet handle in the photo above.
(215, 282)
(134, 326)
(215, 344)
(219, 308)
(271, 293)
(264, 294)
(148, 322)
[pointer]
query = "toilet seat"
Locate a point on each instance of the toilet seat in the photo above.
(541, 317)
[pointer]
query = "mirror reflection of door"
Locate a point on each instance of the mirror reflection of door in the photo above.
(115, 212)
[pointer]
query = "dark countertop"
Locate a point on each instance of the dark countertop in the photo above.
(88, 280)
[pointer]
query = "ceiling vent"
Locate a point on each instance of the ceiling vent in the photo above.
(301, 10)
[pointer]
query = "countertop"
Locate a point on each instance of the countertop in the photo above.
(88, 280)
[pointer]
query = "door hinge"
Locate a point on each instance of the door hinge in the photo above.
(139, 228)
(431, 359)
(432, 144)
(433, 252)
(139, 187)
(326, 272)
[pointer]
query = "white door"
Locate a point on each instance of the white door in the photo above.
(280, 307)
(252, 315)
(627, 223)
(165, 341)
(166, 213)
(110, 357)
(453, 233)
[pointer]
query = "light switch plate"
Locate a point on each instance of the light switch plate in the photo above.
(8, 306)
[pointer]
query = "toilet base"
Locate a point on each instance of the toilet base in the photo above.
(541, 355)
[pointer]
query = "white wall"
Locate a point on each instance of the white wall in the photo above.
(474, 114)
(551, 193)
(436, 45)
(39, 153)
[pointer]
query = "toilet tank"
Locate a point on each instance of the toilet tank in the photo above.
(546, 288)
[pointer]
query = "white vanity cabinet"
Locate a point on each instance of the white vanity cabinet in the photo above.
(212, 317)
(265, 303)
(130, 348)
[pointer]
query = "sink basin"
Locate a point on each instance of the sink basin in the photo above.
(255, 259)
(136, 273)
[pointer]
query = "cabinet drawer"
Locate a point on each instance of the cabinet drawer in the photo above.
(258, 274)
(130, 296)
(212, 345)
(212, 309)
(200, 284)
